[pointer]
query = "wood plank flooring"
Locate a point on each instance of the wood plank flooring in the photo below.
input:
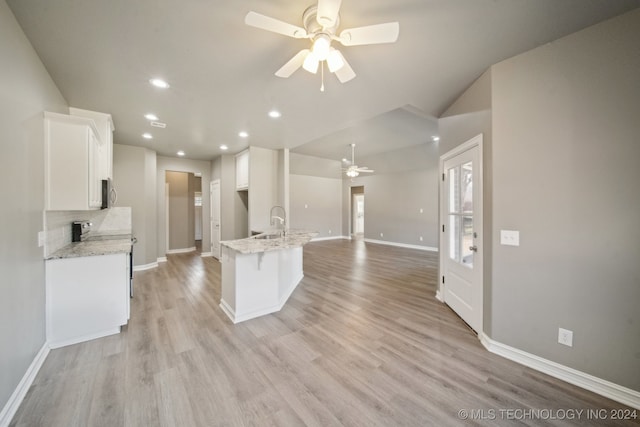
(361, 342)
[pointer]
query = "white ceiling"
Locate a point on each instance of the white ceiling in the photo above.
(101, 55)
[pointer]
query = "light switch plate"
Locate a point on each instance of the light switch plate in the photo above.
(510, 237)
(40, 239)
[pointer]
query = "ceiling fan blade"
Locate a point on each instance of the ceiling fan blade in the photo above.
(327, 14)
(293, 64)
(365, 170)
(275, 25)
(344, 74)
(372, 34)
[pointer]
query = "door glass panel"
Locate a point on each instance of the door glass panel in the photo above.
(466, 183)
(467, 240)
(461, 214)
(454, 241)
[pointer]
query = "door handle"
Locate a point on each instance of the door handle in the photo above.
(473, 248)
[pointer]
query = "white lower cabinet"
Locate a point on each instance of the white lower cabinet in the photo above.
(86, 298)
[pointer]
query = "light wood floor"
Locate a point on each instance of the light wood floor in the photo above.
(361, 342)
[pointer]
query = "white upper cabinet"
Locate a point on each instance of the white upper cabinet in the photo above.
(73, 149)
(104, 125)
(242, 170)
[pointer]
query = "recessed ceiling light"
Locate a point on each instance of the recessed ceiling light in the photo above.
(150, 116)
(345, 160)
(274, 114)
(159, 83)
(180, 153)
(224, 147)
(435, 138)
(147, 135)
(243, 134)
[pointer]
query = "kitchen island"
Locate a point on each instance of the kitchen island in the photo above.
(259, 273)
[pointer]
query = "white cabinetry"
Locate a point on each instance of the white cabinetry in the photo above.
(72, 163)
(104, 125)
(86, 298)
(242, 170)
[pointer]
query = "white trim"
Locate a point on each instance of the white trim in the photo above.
(89, 337)
(439, 296)
(162, 259)
(320, 239)
(181, 251)
(21, 390)
(146, 266)
(597, 385)
(402, 245)
(206, 254)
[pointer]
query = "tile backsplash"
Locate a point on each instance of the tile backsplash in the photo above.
(57, 224)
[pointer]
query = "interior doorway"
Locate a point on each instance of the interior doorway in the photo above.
(357, 211)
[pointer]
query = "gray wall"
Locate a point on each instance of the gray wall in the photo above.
(134, 178)
(404, 182)
(565, 164)
(26, 90)
(316, 204)
(561, 148)
(201, 167)
(316, 194)
(181, 210)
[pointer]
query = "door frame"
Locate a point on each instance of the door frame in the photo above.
(476, 141)
(215, 254)
(354, 211)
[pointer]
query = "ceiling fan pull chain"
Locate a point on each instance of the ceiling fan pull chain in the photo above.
(322, 76)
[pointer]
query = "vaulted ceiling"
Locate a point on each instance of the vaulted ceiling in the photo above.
(101, 54)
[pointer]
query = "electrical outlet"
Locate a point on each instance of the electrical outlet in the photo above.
(306, 206)
(421, 238)
(329, 231)
(421, 210)
(381, 234)
(565, 337)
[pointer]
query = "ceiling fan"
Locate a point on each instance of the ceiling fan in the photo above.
(320, 26)
(354, 170)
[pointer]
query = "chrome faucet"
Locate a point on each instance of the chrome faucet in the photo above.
(282, 219)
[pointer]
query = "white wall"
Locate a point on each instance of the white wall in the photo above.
(26, 90)
(316, 204)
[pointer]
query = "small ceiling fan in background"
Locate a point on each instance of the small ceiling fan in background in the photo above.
(354, 170)
(320, 25)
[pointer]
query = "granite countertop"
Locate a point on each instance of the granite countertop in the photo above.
(253, 244)
(94, 244)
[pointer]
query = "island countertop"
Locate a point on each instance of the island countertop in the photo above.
(255, 244)
(94, 245)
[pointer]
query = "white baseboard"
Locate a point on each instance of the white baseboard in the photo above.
(77, 340)
(20, 392)
(145, 266)
(597, 385)
(162, 259)
(206, 254)
(181, 251)
(439, 296)
(402, 245)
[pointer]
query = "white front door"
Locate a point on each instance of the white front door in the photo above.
(215, 218)
(461, 245)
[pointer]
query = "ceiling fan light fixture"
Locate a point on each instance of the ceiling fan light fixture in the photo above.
(321, 47)
(311, 63)
(334, 61)
(352, 173)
